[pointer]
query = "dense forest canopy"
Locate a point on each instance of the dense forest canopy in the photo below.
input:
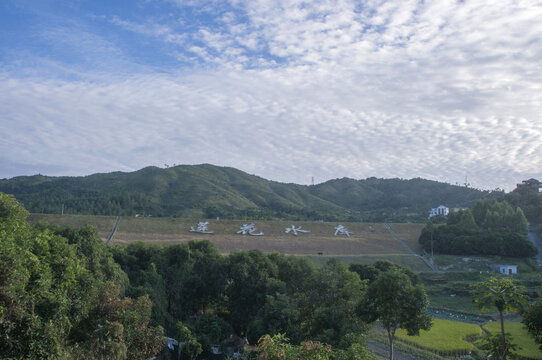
(491, 228)
(529, 199)
(60, 295)
(64, 294)
(207, 191)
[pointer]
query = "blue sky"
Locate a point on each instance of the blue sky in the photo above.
(284, 89)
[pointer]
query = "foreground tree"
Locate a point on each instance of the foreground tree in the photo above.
(277, 347)
(328, 310)
(393, 300)
(188, 344)
(503, 294)
(60, 296)
(532, 318)
(492, 344)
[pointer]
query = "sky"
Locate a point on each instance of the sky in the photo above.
(287, 90)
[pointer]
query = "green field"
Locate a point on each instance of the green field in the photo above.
(449, 338)
(368, 243)
(528, 348)
(445, 337)
(377, 339)
(367, 239)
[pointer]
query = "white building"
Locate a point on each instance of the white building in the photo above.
(439, 210)
(508, 269)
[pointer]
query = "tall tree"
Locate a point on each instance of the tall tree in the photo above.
(251, 276)
(328, 310)
(188, 344)
(503, 294)
(532, 318)
(60, 296)
(393, 300)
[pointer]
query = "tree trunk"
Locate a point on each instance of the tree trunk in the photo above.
(390, 338)
(503, 340)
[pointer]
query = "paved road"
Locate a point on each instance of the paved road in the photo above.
(537, 241)
(383, 352)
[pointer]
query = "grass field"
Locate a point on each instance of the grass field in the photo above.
(445, 337)
(367, 239)
(528, 348)
(409, 233)
(377, 341)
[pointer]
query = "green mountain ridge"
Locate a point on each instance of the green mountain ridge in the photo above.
(208, 191)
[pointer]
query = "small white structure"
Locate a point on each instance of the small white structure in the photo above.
(215, 349)
(507, 269)
(202, 228)
(341, 230)
(171, 343)
(439, 210)
(249, 229)
(295, 230)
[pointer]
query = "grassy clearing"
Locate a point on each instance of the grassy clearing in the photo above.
(454, 303)
(409, 233)
(367, 239)
(529, 349)
(445, 337)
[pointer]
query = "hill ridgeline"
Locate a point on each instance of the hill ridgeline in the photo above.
(208, 191)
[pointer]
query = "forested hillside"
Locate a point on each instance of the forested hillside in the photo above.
(210, 191)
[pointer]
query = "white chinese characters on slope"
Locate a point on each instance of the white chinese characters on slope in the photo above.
(295, 230)
(341, 230)
(201, 229)
(249, 229)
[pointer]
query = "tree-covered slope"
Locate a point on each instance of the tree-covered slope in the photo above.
(211, 191)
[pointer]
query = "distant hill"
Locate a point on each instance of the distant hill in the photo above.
(208, 191)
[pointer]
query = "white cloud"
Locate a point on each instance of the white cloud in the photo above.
(290, 90)
(150, 29)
